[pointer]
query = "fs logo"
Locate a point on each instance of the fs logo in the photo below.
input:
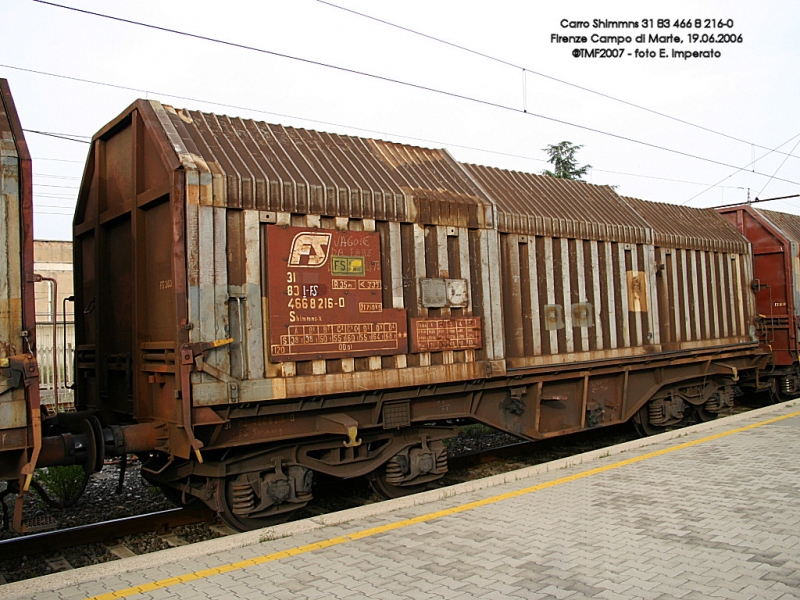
(315, 246)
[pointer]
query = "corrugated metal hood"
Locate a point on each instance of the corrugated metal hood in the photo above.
(686, 227)
(549, 206)
(276, 168)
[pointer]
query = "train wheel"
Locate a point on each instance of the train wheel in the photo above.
(719, 400)
(231, 500)
(410, 471)
(641, 422)
(785, 385)
(387, 490)
(703, 416)
(264, 498)
(177, 497)
(775, 395)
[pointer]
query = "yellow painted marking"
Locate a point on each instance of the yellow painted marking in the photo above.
(171, 581)
(365, 533)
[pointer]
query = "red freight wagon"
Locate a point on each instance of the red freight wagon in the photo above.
(775, 238)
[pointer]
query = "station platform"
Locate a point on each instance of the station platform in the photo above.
(710, 511)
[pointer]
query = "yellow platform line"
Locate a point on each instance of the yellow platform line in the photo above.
(365, 533)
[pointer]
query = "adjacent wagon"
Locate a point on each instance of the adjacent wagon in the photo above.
(20, 417)
(775, 238)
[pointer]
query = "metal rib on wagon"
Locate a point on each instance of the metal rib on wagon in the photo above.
(703, 269)
(566, 248)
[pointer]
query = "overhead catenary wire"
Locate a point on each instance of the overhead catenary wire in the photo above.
(729, 187)
(51, 176)
(64, 136)
(38, 158)
(526, 70)
(738, 170)
(387, 79)
(757, 200)
(783, 162)
(46, 195)
(71, 135)
(320, 122)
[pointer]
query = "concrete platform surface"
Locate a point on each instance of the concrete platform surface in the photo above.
(709, 511)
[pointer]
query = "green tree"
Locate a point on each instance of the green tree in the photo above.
(562, 156)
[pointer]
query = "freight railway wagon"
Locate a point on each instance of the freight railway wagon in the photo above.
(257, 304)
(20, 421)
(775, 239)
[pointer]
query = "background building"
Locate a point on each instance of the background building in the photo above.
(53, 259)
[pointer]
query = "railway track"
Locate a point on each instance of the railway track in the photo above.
(531, 453)
(330, 496)
(334, 495)
(107, 531)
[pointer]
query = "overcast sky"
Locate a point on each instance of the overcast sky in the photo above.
(689, 155)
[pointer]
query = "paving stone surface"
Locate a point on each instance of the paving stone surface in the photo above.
(719, 519)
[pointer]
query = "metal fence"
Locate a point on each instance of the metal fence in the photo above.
(65, 359)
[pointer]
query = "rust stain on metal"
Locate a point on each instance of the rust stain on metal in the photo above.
(435, 335)
(326, 296)
(788, 224)
(277, 168)
(676, 226)
(637, 291)
(547, 206)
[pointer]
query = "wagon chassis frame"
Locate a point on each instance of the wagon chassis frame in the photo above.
(499, 402)
(352, 435)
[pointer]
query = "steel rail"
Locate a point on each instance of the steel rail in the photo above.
(48, 541)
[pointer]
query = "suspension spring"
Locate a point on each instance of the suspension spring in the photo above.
(441, 461)
(787, 384)
(244, 498)
(394, 471)
(656, 413)
(713, 404)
